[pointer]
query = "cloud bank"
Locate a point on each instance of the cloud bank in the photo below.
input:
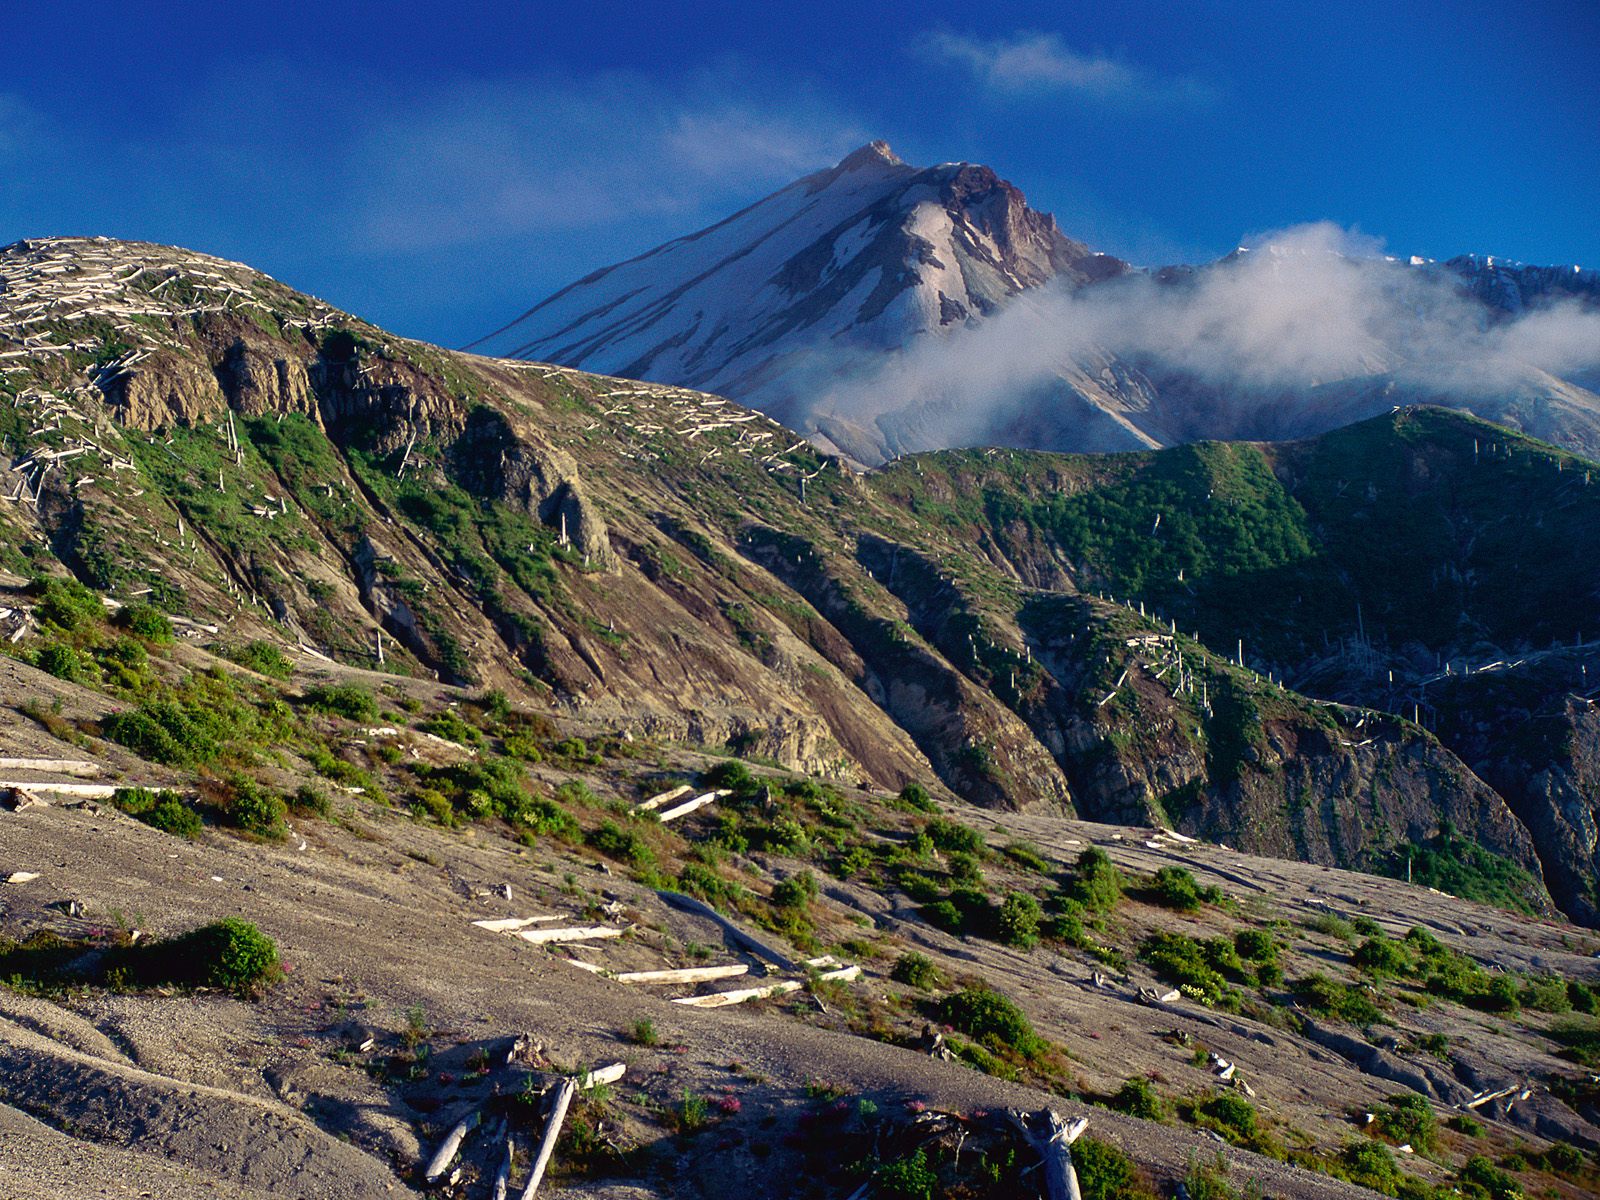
(1298, 310)
(1035, 63)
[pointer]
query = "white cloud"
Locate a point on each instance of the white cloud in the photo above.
(1029, 62)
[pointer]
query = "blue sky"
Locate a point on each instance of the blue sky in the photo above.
(439, 167)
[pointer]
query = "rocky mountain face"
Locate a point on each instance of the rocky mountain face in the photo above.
(883, 309)
(809, 285)
(681, 567)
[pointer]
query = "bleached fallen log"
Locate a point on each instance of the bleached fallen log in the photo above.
(689, 806)
(571, 933)
(440, 1163)
(502, 1178)
(661, 798)
(507, 924)
(552, 1134)
(602, 1075)
(1480, 1101)
(723, 999)
(684, 974)
(1054, 1148)
(842, 974)
(65, 766)
(92, 791)
(749, 941)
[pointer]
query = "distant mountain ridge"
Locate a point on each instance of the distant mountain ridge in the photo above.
(866, 256)
(854, 305)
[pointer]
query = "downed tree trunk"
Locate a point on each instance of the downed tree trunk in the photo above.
(842, 974)
(63, 766)
(1053, 1143)
(748, 941)
(689, 806)
(552, 1134)
(723, 999)
(602, 1075)
(684, 974)
(572, 933)
(92, 791)
(440, 1163)
(502, 1178)
(665, 797)
(507, 924)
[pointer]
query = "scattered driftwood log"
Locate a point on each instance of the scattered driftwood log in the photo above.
(1052, 1137)
(440, 1163)
(502, 1178)
(90, 791)
(552, 1133)
(684, 974)
(749, 941)
(572, 933)
(507, 924)
(62, 766)
(689, 806)
(723, 999)
(666, 797)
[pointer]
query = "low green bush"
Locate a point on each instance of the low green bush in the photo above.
(231, 954)
(264, 658)
(993, 1020)
(1017, 922)
(1138, 1098)
(1096, 883)
(348, 700)
(255, 809)
(796, 891)
(916, 970)
(145, 622)
(1408, 1119)
(163, 810)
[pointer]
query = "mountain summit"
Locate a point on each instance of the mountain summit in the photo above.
(806, 285)
(881, 308)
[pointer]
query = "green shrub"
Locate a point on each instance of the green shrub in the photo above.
(1546, 993)
(1096, 882)
(62, 661)
(449, 726)
(1333, 926)
(1580, 1039)
(1106, 1173)
(1381, 955)
(1232, 1116)
(1017, 923)
(943, 915)
(643, 1032)
(909, 1178)
(255, 809)
(916, 970)
(625, 845)
(348, 700)
(1185, 963)
(1138, 1098)
(67, 605)
(1372, 1165)
(264, 658)
(1482, 1178)
(915, 796)
(231, 954)
(1464, 1124)
(1026, 856)
(1255, 945)
(308, 801)
(1175, 887)
(1328, 997)
(992, 1019)
(796, 891)
(162, 810)
(965, 868)
(952, 836)
(1408, 1119)
(145, 622)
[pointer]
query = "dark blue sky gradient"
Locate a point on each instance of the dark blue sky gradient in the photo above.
(439, 167)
